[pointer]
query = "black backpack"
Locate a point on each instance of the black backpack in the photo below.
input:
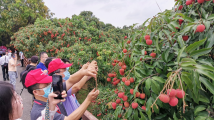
(23, 75)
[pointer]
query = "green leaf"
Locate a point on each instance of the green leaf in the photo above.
(200, 52)
(166, 18)
(175, 117)
(210, 17)
(175, 24)
(155, 87)
(181, 42)
(207, 25)
(206, 73)
(167, 34)
(179, 54)
(142, 116)
(161, 80)
(128, 113)
(188, 19)
(187, 62)
(205, 67)
(199, 108)
(210, 41)
(195, 45)
(136, 114)
(200, 118)
(148, 83)
(187, 81)
(208, 84)
(204, 99)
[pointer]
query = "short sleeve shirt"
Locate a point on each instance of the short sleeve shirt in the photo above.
(42, 66)
(38, 106)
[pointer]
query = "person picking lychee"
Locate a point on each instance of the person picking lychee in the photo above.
(71, 103)
(39, 85)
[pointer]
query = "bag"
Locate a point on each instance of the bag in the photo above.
(5, 64)
(24, 73)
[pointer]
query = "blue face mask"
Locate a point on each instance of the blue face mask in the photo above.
(47, 91)
(67, 75)
(67, 68)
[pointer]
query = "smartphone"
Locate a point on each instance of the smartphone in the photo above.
(57, 86)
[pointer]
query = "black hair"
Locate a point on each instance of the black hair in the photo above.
(3, 53)
(6, 98)
(12, 54)
(56, 71)
(48, 60)
(40, 55)
(33, 87)
(65, 60)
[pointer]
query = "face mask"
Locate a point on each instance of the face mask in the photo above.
(67, 68)
(67, 75)
(47, 91)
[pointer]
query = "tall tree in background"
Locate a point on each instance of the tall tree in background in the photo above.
(19, 13)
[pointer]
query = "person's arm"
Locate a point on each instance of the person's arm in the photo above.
(78, 113)
(76, 77)
(76, 87)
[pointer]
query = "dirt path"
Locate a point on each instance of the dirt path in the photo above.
(27, 98)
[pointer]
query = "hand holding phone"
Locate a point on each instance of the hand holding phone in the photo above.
(57, 86)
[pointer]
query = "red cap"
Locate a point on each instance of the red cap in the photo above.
(57, 64)
(37, 76)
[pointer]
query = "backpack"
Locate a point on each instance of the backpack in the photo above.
(24, 73)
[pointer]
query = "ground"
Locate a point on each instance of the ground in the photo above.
(27, 98)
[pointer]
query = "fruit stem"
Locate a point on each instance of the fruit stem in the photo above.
(184, 104)
(168, 82)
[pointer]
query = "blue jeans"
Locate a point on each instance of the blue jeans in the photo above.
(13, 75)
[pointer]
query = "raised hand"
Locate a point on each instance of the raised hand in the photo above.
(93, 95)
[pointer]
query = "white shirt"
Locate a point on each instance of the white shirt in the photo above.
(9, 55)
(4, 59)
(21, 55)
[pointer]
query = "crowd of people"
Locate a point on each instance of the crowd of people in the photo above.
(37, 79)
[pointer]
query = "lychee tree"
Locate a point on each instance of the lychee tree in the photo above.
(166, 69)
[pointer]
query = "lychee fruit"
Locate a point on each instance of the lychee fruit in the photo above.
(127, 83)
(125, 98)
(124, 79)
(142, 95)
(147, 37)
(128, 42)
(180, 93)
(200, 1)
(148, 42)
(180, 7)
(185, 38)
(120, 95)
(114, 105)
(125, 37)
(124, 67)
(118, 101)
(143, 107)
(164, 98)
(132, 91)
(173, 101)
(109, 79)
(126, 104)
(145, 53)
(124, 50)
(153, 55)
(171, 92)
(131, 80)
(134, 105)
(121, 71)
(137, 94)
(200, 28)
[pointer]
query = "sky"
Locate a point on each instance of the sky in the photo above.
(115, 12)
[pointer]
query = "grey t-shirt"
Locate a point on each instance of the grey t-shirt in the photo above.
(38, 106)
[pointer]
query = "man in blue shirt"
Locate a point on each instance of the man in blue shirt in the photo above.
(43, 57)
